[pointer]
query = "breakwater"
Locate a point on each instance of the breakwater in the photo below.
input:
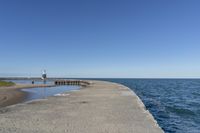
(99, 107)
(174, 103)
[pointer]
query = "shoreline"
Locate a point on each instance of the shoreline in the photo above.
(100, 107)
(13, 94)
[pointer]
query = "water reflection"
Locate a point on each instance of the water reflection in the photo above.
(44, 92)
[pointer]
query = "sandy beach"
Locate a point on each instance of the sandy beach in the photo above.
(12, 95)
(101, 107)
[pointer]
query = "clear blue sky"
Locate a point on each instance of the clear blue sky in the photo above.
(100, 38)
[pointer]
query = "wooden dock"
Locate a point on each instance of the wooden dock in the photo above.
(72, 82)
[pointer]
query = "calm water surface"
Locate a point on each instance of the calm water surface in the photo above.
(43, 92)
(27, 81)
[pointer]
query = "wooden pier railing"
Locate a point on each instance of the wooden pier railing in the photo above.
(72, 82)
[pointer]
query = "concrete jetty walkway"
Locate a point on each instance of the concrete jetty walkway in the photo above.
(102, 107)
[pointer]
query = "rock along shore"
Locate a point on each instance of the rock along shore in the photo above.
(101, 107)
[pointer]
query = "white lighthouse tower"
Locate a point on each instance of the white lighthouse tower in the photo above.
(44, 75)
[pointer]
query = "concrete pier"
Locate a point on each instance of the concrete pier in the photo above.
(101, 107)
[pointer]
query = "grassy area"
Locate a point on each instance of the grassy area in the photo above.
(5, 83)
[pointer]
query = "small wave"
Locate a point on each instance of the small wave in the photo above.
(196, 94)
(180, 111)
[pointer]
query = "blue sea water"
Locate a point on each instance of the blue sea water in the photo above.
(174, 103)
